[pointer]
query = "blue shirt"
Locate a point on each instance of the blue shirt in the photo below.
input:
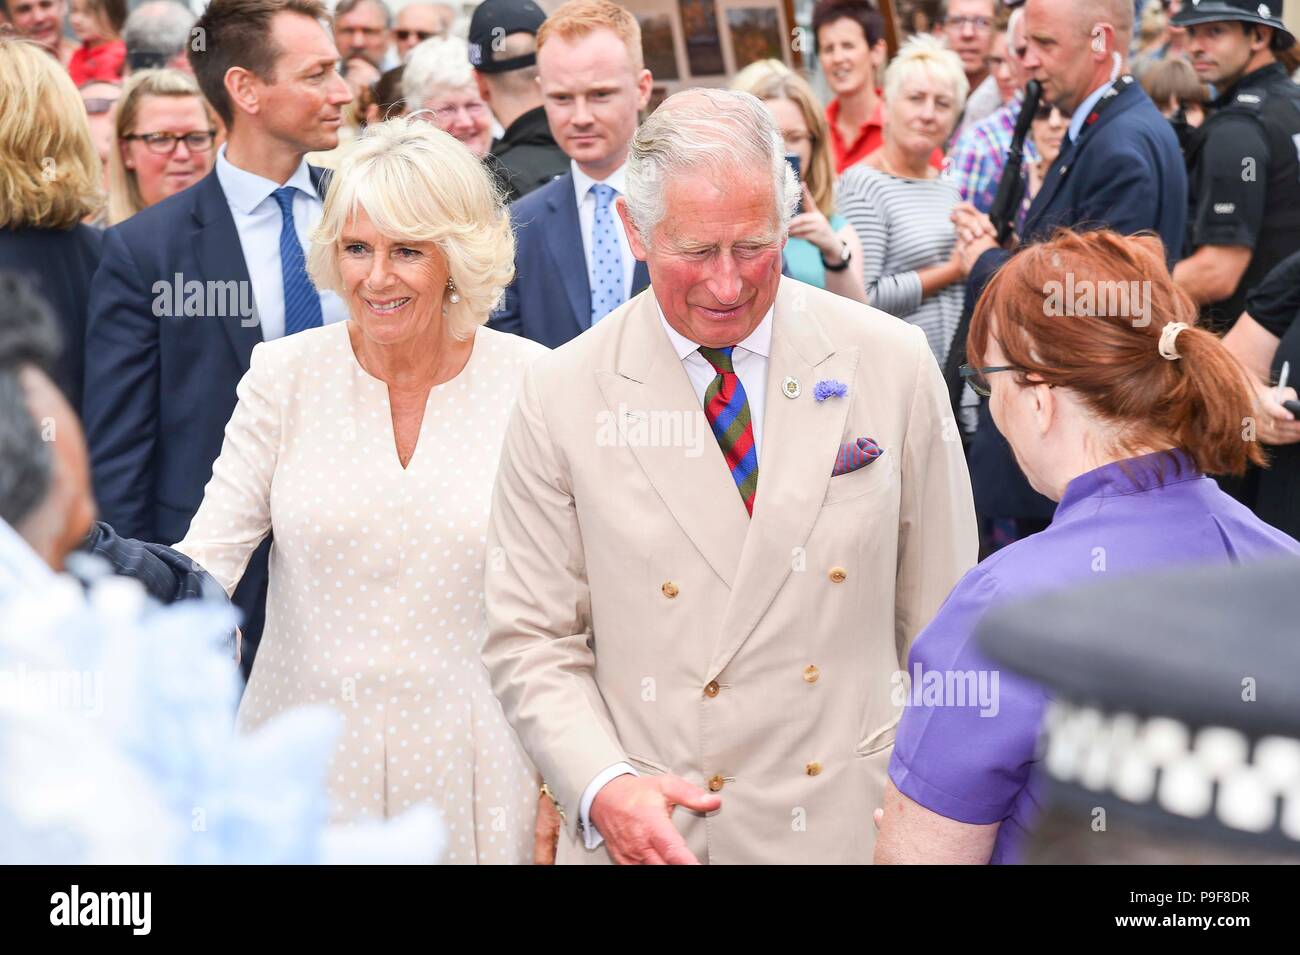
(966, 742)
(803, 260)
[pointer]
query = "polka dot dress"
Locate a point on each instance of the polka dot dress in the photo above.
(375, 603)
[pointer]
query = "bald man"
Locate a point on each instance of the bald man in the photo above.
(1120, 167)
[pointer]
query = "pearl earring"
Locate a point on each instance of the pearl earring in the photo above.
(454, 296)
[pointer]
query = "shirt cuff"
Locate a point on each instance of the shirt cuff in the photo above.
(591, 837)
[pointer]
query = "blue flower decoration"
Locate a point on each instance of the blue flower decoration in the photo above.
(830, 388)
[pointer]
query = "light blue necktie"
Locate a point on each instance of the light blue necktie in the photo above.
(606, 257)
(301, 300)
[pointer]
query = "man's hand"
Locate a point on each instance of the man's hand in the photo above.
(633, 814)
(1274, 424)
(547, 833)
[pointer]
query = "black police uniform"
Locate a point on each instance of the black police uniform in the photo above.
(526, 157)
(1244, 162)
(1244, 171)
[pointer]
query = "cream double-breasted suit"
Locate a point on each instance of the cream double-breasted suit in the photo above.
(637, 613)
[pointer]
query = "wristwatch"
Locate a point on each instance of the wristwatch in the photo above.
(844, 259)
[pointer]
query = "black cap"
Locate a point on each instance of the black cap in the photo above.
(1267, 13)
(493, 21)
(1177, 694)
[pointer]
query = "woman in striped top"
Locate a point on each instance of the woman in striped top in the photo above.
(900, 206)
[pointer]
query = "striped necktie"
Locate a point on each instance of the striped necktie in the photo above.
(727, 409)
(301, 300)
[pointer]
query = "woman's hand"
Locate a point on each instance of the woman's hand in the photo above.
(1273, 423)
(814, 227)
(547, 833)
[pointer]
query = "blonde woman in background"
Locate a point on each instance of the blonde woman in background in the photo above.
(369, 448)
(165, 141)
(823, 249)
(50, 182)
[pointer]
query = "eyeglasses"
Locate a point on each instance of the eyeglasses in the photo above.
(404, 35)
(978, 24)
(96, 106)
(164, 143)
(975, 376)
(447, 114)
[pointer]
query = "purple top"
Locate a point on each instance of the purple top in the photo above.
(966, 742)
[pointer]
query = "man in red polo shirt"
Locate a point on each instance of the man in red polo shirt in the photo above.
(851, 47)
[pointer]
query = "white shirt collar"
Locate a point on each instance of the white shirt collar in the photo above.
(245, 190)
(582, 183)
(1085, 108)
(759, 340)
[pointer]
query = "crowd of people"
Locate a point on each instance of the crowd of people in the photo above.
(429, 344)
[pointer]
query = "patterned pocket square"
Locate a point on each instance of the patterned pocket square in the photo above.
(856, 454)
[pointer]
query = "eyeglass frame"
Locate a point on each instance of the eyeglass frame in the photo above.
(971, 374)
(978, 24)
(175, 141)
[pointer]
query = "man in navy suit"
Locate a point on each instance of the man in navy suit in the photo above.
(1119, 167)
(186, 288)
(573, 264)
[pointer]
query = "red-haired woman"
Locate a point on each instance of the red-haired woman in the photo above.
(1116, 406)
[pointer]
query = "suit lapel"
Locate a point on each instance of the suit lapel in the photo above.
(221, 258)
(691, 477)
(564, 240)
(801, 437)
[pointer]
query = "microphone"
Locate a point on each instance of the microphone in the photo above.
(1010, 187)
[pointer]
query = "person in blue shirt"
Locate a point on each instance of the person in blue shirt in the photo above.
(823, 248)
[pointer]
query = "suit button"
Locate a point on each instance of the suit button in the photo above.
(670, 589)
(811, 673)
(814, 768)
(712, 688)
(838, 574)
(715, 783)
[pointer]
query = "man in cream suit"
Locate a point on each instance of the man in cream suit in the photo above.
(686, 609)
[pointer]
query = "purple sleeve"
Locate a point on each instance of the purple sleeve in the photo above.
(966, 741)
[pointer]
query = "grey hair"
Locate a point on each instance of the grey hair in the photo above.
(1013, 21)
(717, 130)
(440, 62)
(29, 338)
(345, 7)
(159, 29)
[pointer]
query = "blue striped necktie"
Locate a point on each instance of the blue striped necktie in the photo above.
(606, 256)
(301, 300)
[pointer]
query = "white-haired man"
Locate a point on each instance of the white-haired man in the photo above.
(707, 553)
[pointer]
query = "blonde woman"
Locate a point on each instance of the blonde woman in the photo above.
(823, 249)
(898, 203)
(50, 179)
(368, 448)
(165, 138)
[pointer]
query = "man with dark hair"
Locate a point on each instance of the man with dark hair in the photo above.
(1243, 165)
(503, 52)
(44, 474)
(362, 28)
(187, 287)
(850, 37)
(157, 34)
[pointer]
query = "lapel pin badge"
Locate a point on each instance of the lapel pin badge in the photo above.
(790, 387)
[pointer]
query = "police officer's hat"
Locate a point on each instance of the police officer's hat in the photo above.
(1267, 13)
(1175, 698)
(493, 21)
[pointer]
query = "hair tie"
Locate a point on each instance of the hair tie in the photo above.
(1168, 336)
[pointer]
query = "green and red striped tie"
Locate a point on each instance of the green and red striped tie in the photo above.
(727, 409)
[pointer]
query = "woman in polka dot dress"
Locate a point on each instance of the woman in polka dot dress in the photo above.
(368, 448)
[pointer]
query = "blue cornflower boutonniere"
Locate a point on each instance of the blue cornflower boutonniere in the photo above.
(830, 388)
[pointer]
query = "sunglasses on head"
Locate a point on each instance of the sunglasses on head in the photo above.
(97, 106)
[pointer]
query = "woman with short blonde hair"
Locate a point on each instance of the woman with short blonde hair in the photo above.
(369, 448)
(900, 205)
(148, 163)
(823, 250)
(50, 178)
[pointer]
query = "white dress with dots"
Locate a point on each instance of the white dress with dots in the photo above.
(375, 601)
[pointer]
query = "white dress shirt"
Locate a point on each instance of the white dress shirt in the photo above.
(258, 221)
(582, 184)
(749, 361)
